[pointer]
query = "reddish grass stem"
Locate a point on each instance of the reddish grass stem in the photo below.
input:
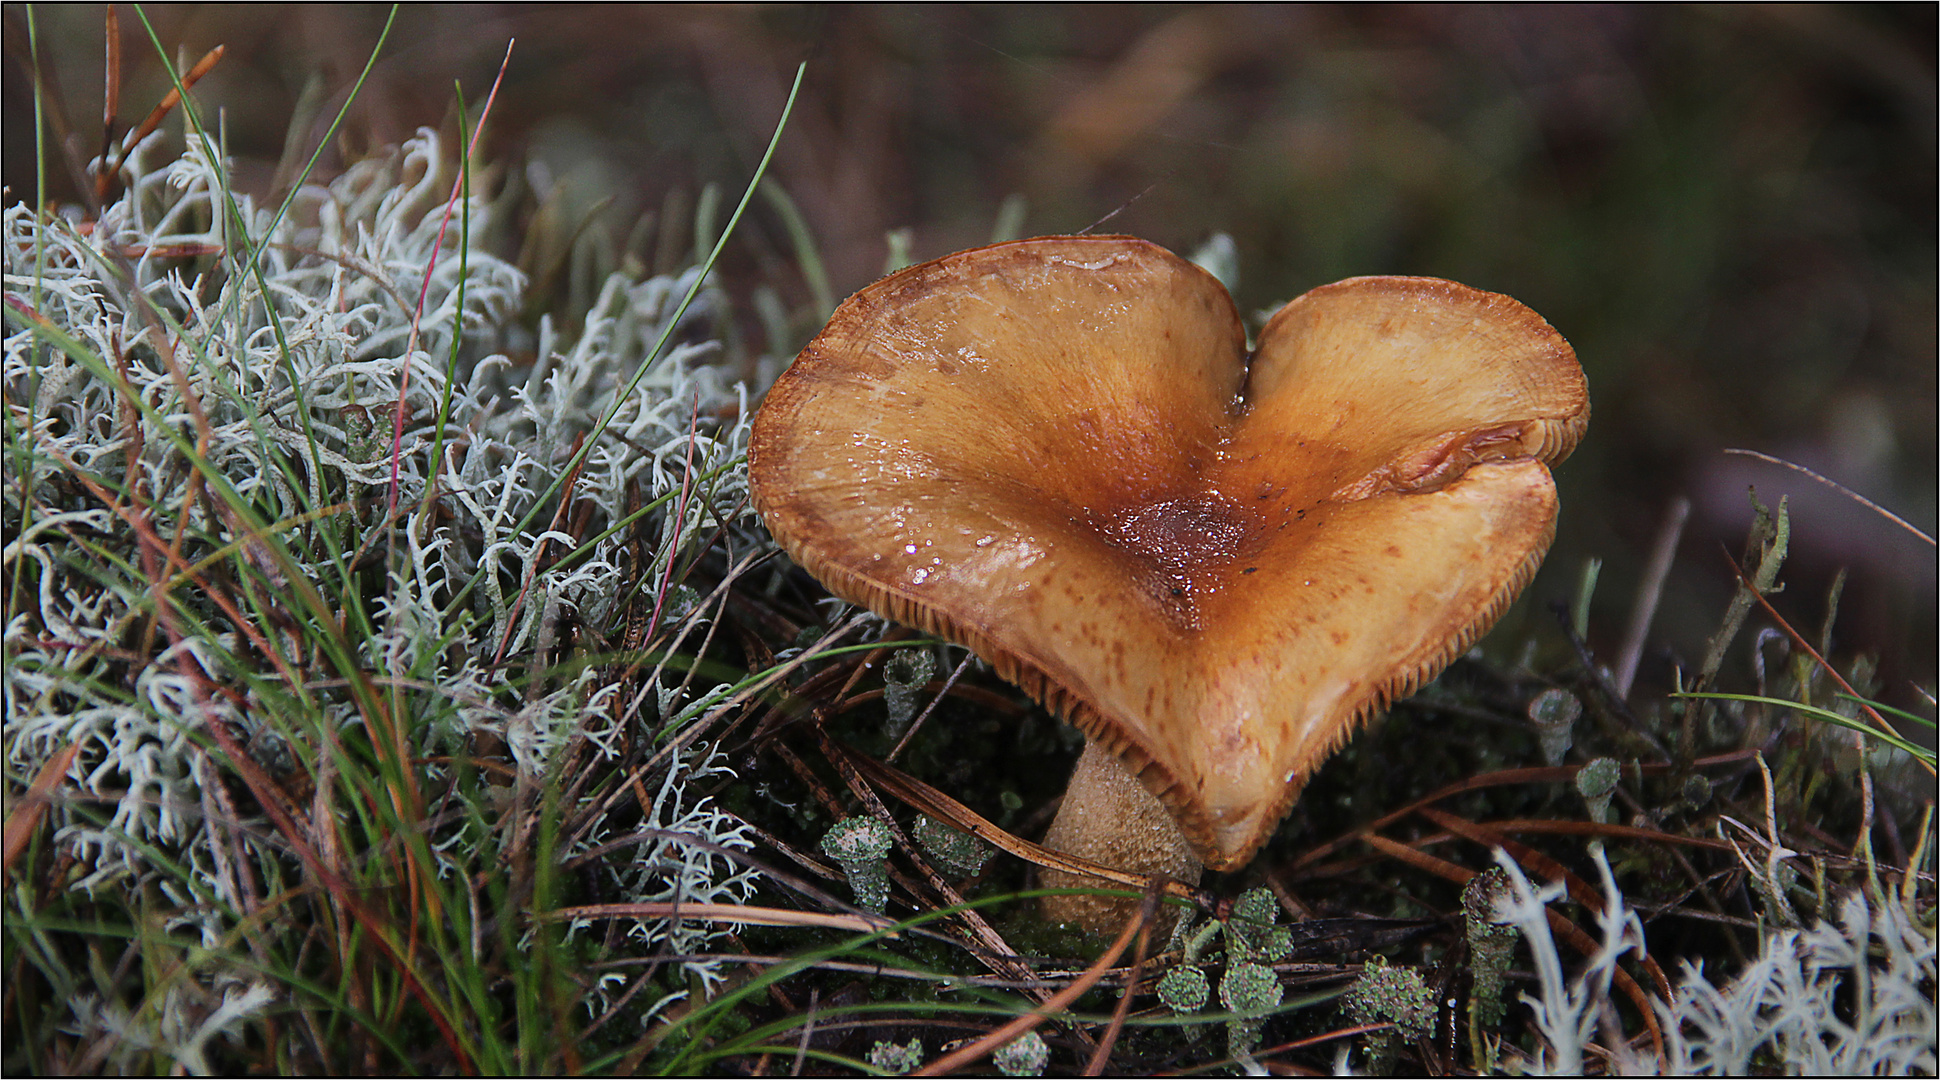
(424, 290)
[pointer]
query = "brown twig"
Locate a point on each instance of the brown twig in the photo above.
(110, 101)
(1058, 1002)
(171, 100)
(723, 913)
(1534, 775)
(1600, 830)
(25, 816)
(1102, 1054)
(1838, 487)
(943, 808)
(983, 940)
(948, 683)
(1579, 890)
(1569, 931)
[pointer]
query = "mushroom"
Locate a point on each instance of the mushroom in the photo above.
(1059, 453)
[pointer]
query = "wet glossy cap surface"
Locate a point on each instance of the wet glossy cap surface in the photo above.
(1058, 453)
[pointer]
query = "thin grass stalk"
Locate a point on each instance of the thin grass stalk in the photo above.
(673, 321)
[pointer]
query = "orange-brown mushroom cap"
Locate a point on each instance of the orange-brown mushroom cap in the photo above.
(1058, 453)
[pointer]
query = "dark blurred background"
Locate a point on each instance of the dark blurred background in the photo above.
(1729, 211)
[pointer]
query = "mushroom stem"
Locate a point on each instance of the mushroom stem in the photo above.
(1108, 817)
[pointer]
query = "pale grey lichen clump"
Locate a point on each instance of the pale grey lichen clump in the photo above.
(294, 377)
(1818, 1000)
(1848, 997)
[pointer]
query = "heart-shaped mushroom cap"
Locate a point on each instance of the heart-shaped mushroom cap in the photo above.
(1057, 453)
